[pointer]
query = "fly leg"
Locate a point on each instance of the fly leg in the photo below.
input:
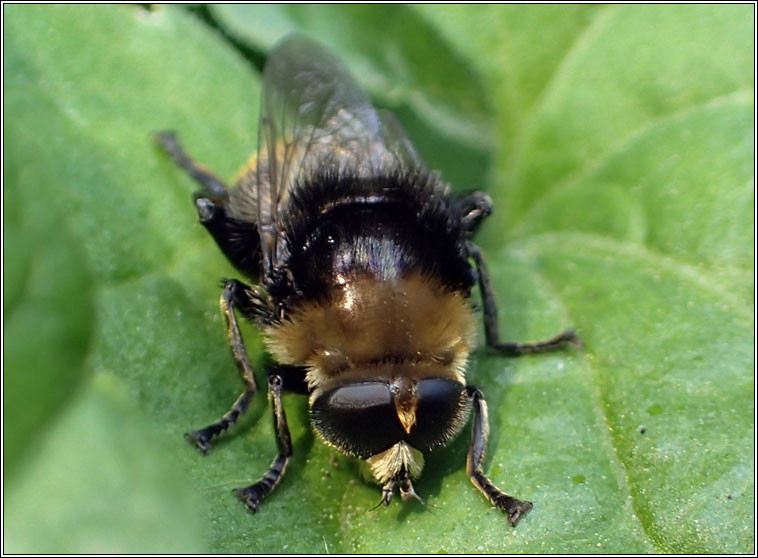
(253, 494)
(491, 330)
(211, 186)
(473, 207)
(511, 506)
(239, 295)
(237, 238)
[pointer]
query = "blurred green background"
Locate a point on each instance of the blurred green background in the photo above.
(618, 145)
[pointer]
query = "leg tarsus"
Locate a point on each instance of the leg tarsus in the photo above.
(253, 494)
(408, 493)
(491, 326)
(388, 491)
(568, 337)
(202, 438)
(230, 298)
(513, 507)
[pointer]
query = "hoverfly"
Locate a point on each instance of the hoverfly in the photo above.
(362, 266)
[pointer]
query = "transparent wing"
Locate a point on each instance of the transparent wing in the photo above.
(316, 118)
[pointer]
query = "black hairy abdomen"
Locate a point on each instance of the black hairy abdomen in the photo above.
(386, 227)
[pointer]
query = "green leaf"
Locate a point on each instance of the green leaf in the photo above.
(82, 216)
(101, 483)
(632, 68)
(48, 307)
(618, 143)
(516, 49)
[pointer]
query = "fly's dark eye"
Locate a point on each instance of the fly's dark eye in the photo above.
(357, 397)
(359, 418)
(441, 412)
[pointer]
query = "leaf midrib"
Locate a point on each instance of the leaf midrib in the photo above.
(599, 406)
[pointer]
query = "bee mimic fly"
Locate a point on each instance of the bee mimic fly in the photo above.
(362, 266)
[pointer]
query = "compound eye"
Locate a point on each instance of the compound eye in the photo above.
(360, 418)
(441, 412)
(364, 396)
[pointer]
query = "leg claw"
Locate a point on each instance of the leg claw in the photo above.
(199, 439)
(515, 509)
(250, 496)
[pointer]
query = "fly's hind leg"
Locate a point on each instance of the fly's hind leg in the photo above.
(253, 494)
(211, 186)
(491, 329)
(235, 295)
(514, 508)
(237, 237)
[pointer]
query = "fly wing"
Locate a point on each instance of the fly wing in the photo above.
(397, 141)
(316, 118)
